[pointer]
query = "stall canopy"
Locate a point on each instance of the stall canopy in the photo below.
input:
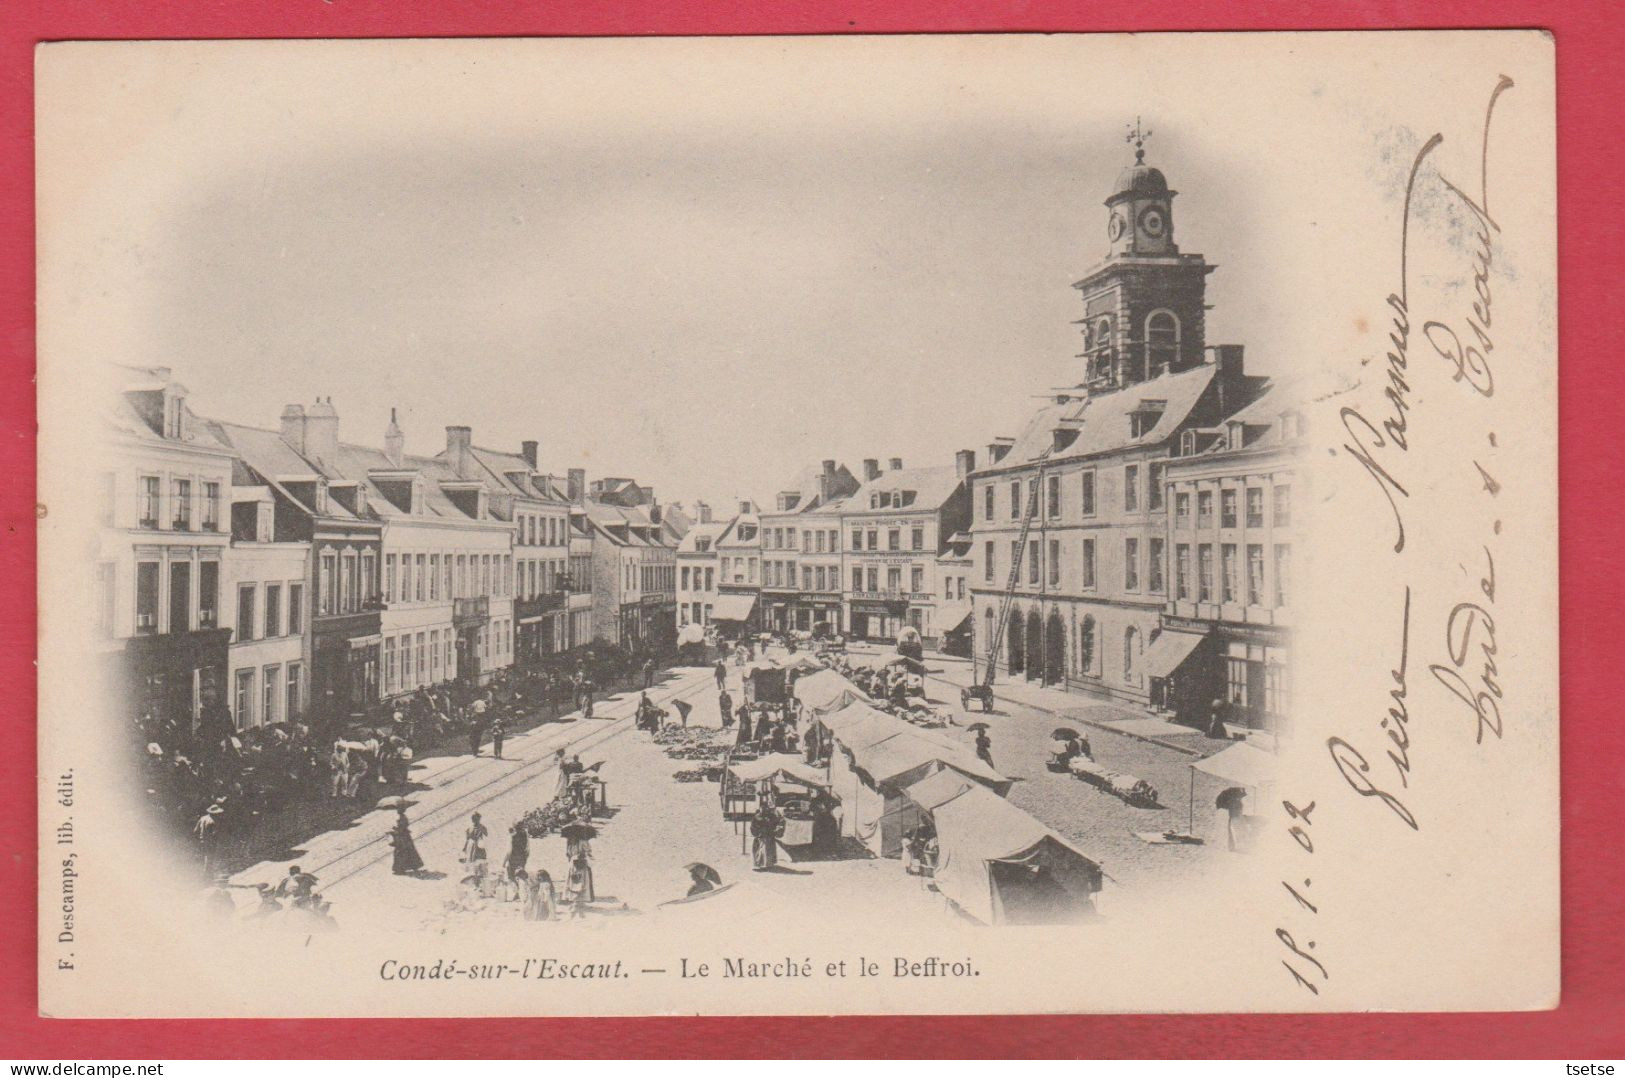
(733, 607)
(1169, 649)
(825, 692)
(804, 662)
(999, 864)
(911, 754)
(1241, 765)
(692, 633)
(770, 767)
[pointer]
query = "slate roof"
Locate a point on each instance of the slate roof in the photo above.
(932, 487)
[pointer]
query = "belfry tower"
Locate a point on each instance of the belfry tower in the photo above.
(1144, 304)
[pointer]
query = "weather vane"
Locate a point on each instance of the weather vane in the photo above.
(1138, 137)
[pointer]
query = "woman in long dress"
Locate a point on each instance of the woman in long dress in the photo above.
(579, 853)
(518, 852)
(765, 828)
(407, 859)
(539, 897)
(474, 841)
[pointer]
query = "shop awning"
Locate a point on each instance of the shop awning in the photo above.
(1169, 649)
(733, 607)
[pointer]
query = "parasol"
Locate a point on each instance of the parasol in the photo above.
(978, 726)
(701, 870)
(1062, 733)
(575, 831)
(1230, 798)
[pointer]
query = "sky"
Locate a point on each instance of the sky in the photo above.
(702, 265)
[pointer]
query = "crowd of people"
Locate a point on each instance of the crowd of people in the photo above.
(214, 783)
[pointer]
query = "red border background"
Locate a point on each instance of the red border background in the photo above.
(1591, 1021)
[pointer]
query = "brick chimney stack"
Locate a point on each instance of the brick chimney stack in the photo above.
(528, 451)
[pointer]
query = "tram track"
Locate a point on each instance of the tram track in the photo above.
(448, 812)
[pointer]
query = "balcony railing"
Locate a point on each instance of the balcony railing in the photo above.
(473, 608)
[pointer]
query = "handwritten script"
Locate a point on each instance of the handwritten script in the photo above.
(1451, 332)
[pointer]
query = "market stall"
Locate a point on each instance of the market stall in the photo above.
(997, 863)
(1242, 770)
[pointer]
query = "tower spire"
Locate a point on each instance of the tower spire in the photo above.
(1137, 135)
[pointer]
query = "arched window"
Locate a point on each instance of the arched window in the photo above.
(1131, 656)
(1100, 349)
(1086, 647)
(1161, 343)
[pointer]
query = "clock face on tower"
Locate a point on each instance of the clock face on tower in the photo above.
(1114, 227)
(1153, 222)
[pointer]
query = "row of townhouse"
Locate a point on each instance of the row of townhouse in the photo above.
(283, 572)
(1135, 540)
(836, 553)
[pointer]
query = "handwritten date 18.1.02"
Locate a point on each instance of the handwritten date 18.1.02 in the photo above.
(1300, 960)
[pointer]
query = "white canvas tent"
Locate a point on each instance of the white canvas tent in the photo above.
(997, 863)
(1242, 764)
(825, 692)
(875, 757)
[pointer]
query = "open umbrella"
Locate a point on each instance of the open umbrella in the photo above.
(1061, 733)
(701, 870)
(574, 831)
(977, 726)
(1230, 799)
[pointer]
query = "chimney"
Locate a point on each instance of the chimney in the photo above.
(703, 512)
(394, 441)
(528, 451)
(293, 427)
(744, 506)
(871, 469)
(964, 462)
(322, 432)
(655, 512)
(458, 441)
(826, 482)
(1227, 357)
(897, 464)
(575, 485)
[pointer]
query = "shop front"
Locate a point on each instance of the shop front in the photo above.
(878, 620)
(470, 618)
(344, 663)
(171, 676)
(1202, 669)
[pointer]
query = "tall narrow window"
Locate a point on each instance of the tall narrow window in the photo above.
(1255, 507)
(211, 507)
(1283, 505)
(987, 560)
(296, 609)
(245, 612)
(273, 610)
(1283, 574)
(1131, 564)
(1088, 563)
(1055, 562)
(1182, 571)
(1228, 559)
(1154, 566)
(180, 497)
(1255, 575)
(1052, 496)
(1088, 494)
(146, 597)
(1131, 488)
(208, 594)
(1161, 343)
(1159, 476)
(1227, 508)
(1204, 573)
(149, 501)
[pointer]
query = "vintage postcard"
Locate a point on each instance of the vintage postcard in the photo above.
(965, 524)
